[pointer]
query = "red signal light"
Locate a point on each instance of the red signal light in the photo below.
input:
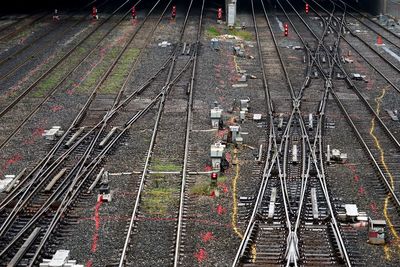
(307, 8)
(133, 12)
(219, 15)
(214, 176)
(286, 29)
(173, 12)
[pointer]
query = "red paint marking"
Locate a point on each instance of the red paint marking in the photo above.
(373, 207)
(13, 90)
(361, 191)
(224, 187)
(89, 263)
(38, 132)
(220, 210)
(212, 194)
(197, 221)
(207, 237)
(35, 134)
(201, 255)
(352, 168)
(14, 159)
(207, 168)
(56, 108)
(97, 224)
(221, 133)
(228, 156)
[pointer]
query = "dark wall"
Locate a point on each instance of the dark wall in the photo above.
(372, 6)
(24, 6)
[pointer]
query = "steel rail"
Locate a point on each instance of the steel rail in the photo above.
(87, 153)
(65, 56)
(20, 205)
(354, 87)
(370, 47)
(376, 23)
(360, 137)
(167, 87)
(20, 29)
(75, 187)
(18, 20)
(315, 161)
(270, 162)
(31, 56)
(34, 54)
(54, 89)
(187, 138)
(395, 198)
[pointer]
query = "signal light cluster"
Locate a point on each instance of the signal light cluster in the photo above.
(219, 14)
(286, 29)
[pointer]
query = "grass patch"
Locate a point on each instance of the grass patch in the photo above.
(159, 197)
(212, 32)
(243, 34)
(222, 179)
(95, 75)
(55, 76)
(201, 189)
(47, 84)
(118, 75)
(165, 167)
(157, 200)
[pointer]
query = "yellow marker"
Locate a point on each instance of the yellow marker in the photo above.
(236, 65)
(234, 191)
(386, 249)
(235, 209)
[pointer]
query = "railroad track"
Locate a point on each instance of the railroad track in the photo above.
(89, 152)
(300, 186)
(370, 143)
(377, 59)
(38, 102)
(13, 32)
(163, 140)
(373, 25)
(15, 60)
(12, 24)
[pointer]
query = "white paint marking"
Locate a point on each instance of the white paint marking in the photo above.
(390, 52)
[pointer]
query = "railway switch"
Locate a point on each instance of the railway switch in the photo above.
(5, 183)
(52, 133)
(60, 258)
(335, 156)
